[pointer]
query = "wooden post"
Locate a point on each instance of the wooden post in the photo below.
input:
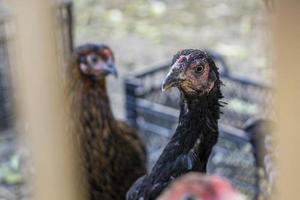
(39, 98)
(286, 28)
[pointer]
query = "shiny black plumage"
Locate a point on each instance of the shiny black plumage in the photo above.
(194, 138)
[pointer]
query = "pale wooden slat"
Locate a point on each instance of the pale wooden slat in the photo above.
(40, 100)
(286, 29)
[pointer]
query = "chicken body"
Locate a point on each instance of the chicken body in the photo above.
(197, 130)
(112, 155)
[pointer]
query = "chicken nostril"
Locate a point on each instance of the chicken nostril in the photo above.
(182, 59)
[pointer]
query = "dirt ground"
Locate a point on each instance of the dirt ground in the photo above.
(144, 33)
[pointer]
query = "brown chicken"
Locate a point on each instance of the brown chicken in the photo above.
(112, 154)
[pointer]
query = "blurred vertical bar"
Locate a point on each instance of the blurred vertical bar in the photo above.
(286, 41)
(5, 100)
(40, 100)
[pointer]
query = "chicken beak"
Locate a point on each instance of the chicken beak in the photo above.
(172, 79)
(110, 68)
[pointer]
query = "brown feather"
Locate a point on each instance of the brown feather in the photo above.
(112, 154)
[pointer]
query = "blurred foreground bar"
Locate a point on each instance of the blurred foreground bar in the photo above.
(37, 67)
(287, 50)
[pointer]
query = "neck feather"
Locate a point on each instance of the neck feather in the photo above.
(198, 120)
(91, 110)
(198, 116)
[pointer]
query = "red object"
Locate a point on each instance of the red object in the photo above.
(195, 186)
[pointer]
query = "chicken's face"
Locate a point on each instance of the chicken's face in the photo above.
(95, 61)
(193, 72)
(196, 186)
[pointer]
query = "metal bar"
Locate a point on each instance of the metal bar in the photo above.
(152, 70)
(5, 104)
(130, 102)
(69, 7)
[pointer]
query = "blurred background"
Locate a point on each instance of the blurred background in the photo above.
(144, 35)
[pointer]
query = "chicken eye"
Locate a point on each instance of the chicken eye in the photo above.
(199, 69)
(92, 59)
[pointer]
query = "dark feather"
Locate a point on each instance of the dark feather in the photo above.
(192, 142)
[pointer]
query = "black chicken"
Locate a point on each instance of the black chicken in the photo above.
(113, 156)
(196, 76)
